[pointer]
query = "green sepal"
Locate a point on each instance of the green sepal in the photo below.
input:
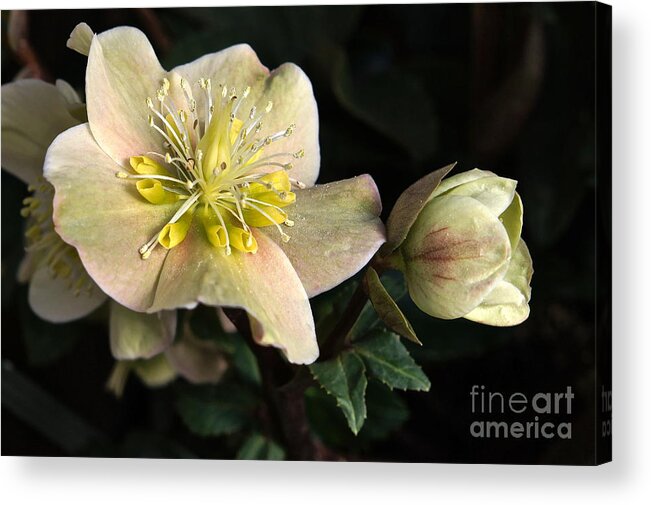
(408, 207)
(386, 307)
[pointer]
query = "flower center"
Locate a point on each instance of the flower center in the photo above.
(213, 166)
(45, 244)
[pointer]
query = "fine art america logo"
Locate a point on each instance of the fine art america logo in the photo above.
(517, 415)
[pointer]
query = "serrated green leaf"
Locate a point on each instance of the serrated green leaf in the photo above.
(215, 410)
(259, 447)
(386, 412)
(389, 361)
(386, 307)
(344, 377)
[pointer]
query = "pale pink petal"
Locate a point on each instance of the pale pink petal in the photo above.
(122, 72)
(33, 114)
(265, 284)
(287, 87)
(53, 300)
(336, 232)
(105, 218)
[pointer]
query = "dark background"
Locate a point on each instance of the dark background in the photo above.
(401, 90)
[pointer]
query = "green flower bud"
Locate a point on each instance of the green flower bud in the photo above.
(463, 255)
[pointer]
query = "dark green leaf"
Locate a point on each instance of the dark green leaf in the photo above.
(259, 447)
(389, 361)
(344, 378)
(386, 307)
(327, 420)
(386, 411)
(215, 410)
(245, 362)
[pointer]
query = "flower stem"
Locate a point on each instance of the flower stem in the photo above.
(339, 336)
(285, 405)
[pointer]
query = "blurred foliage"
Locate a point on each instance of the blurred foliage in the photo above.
(215, 410)
(259, 447)
(402, 90)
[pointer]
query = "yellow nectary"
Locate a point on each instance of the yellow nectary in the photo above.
(213, 165)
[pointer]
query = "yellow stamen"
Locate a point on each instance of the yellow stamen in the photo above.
(173, 234)
(214, 160)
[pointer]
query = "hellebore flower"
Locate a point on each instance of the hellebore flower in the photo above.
(33, 114)
(460, 249)
(196, 186)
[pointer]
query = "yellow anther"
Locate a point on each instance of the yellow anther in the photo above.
(290, 130)
(218, 166)
(144, 165)
(152, 191)
(173, 234)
